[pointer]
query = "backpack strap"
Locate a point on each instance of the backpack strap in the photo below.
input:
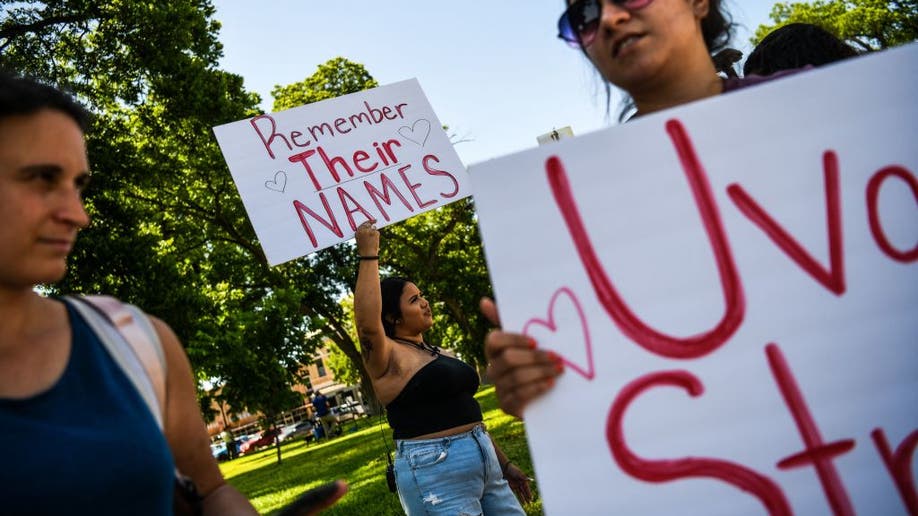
(132, 341)
(130, 338)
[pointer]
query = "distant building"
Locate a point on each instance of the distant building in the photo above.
(319, 376)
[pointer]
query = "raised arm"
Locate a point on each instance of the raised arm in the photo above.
(376, 348)
(520, 371)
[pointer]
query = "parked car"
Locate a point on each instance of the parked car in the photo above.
(265, 439)
(220, 451)
(295, 430)
(347, 412)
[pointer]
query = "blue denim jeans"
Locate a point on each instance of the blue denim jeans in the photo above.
(457, 475)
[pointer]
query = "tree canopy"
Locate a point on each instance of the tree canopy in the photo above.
(334, 78)
(169, 231)
(868, 25)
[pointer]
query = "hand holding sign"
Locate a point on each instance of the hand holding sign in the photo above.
(367, 238)
(571, 338)
(520, 371)
(753, 327)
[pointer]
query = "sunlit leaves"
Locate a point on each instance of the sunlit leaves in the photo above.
(866, 24)
(333, 78)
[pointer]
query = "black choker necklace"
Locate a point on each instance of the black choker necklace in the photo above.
(423, 346)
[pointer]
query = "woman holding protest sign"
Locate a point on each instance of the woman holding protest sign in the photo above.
(446, 463)
(659, 53)
(94, 431)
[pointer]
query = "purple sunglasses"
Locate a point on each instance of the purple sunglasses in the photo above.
(579, 23)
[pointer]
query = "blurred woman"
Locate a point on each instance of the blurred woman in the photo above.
(81, 440)
(659, 53)
(446, 463)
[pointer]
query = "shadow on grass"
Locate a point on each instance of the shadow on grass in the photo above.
(359, 457)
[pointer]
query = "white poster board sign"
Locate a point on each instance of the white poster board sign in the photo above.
(733, 285)
(308, 176)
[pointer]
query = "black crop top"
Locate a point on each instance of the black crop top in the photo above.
(439, 396)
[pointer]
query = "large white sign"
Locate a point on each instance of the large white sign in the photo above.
(310, 175)
(733, 285)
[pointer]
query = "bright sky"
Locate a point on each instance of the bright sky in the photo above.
(493, 70)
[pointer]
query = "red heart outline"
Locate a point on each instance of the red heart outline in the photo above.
(590, 371)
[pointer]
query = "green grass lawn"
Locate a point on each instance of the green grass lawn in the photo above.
(358, 456)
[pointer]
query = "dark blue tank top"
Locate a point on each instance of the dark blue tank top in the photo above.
(87, 445)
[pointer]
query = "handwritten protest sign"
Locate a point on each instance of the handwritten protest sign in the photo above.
(733, 285)
(310, 175)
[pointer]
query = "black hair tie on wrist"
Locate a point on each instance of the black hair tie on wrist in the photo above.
(368, 257)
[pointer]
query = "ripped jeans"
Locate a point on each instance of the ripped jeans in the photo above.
(456, 475)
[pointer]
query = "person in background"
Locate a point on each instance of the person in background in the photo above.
(85, 441)
(323, 413)
(445, 463)
(658, 52)
(309, 431)
(793, 46)
(230, 444)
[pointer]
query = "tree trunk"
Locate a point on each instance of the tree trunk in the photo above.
(277, 445)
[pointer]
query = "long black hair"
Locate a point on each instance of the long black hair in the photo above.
(391, 292)
(795, 45)
(717, 27)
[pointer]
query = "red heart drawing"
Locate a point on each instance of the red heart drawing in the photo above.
(588, 372)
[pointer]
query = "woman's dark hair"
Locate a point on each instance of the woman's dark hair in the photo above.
(391, 292)
(793, 46)
(716, 27)
(25, 96)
